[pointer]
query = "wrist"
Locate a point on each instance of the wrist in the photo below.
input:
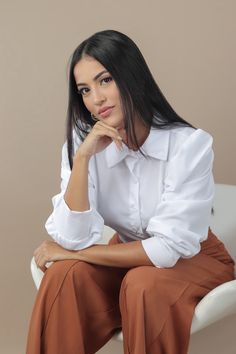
(75, 254)
(80, 156)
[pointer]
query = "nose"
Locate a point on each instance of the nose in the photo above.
(98, 97)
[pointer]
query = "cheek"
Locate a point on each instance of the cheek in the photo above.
(116, 95)
(87, 104)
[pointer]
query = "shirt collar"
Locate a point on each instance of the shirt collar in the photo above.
(156, 145)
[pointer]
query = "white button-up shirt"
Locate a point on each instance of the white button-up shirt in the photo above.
(165, 200)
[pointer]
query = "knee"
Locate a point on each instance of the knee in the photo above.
(58, 267)
(138, 279)
(147, 280)
(59, 270)
(156, 285)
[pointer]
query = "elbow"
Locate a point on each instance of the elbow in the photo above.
(75, 243)
(160, 253)
(168, 262)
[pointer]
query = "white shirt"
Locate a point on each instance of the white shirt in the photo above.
(165, 201)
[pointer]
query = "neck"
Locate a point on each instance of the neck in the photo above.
(142, 133)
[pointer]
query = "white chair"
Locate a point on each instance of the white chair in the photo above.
(221, 301)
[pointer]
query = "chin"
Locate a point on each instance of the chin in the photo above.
(118, 123)
(115, 123)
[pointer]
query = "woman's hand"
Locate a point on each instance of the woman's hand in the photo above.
(50, 251)
(99, 138)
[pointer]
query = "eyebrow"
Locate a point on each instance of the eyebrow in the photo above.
(94, 79)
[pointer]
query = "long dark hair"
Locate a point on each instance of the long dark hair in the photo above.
(140, 95)
(139, 92)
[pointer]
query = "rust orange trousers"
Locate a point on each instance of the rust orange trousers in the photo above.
(79, 305)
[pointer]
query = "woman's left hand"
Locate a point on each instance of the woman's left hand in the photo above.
(50, 251)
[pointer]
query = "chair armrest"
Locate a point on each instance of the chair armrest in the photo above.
(37, 273)
(217, 304)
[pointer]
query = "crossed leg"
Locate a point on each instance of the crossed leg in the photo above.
(157, 304)
(79, 305)
(76, 309)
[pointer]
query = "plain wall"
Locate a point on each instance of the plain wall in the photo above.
(189, 47)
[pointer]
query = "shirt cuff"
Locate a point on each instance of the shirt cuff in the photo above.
(160, 254)
(77, 244)
(76, 225)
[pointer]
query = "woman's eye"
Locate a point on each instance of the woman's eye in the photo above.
(109, 78)
(81, 91)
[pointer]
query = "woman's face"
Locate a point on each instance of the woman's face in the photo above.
(100, 92)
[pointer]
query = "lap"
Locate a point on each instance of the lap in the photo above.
(204, 270)
(211, 267)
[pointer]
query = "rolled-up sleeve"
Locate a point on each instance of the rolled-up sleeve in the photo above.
(183, 215)
(74, 229)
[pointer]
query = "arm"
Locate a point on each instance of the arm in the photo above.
(121, 255)
(124, 255)
(183, 216)
(74, 222)
(68, 207)
(76, 195)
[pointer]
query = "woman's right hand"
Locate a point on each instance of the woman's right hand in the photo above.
(100, 136)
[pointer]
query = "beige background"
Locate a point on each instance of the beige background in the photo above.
(189, 47)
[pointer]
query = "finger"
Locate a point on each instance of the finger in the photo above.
(114, 135)
(43, 268)
(119, 129)
(42, 264)
(118, 144)
(108, 127)
(107, 131)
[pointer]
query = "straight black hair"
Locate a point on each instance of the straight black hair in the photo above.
(139, 93)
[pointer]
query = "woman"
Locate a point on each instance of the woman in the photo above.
(130, 162)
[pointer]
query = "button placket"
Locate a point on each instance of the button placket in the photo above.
(135, 197)
(139, 218)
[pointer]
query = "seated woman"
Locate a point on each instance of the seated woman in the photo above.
(130, 162)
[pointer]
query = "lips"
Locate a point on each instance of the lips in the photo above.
(104, 109)
(106, 113)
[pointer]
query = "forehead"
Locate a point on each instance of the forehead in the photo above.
(87, 68)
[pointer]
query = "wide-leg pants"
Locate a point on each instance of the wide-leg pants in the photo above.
(79, 305)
